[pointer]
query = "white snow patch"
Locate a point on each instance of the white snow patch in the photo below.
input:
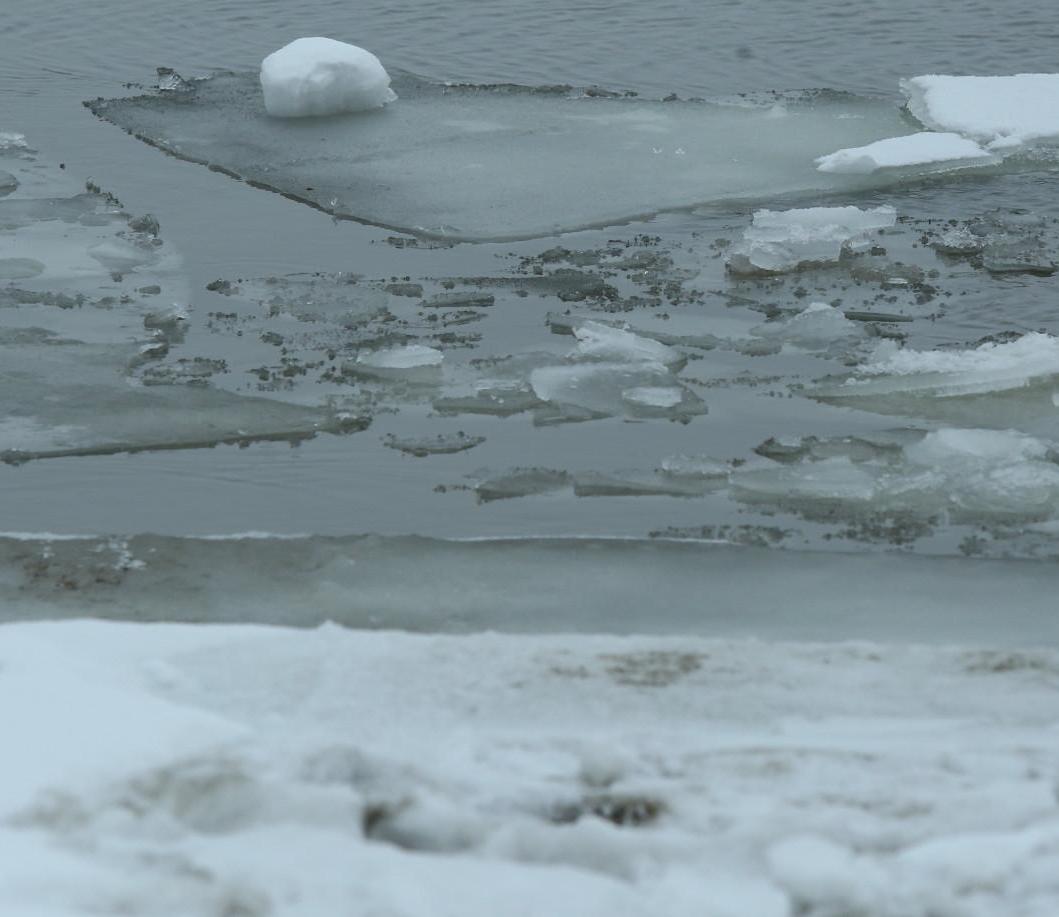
(1002, 111)
(321, 76)
(157, 769)
(924, 148)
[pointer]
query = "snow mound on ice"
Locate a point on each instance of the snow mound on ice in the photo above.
(321, 76)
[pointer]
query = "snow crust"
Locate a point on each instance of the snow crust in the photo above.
(1001, 111)
(923, 148)
(321, 76)
(159, 769)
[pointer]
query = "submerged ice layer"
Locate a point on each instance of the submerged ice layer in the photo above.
(261, 771)
(499, 162)
(535, 585)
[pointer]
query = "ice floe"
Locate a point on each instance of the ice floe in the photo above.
(321, 76)
(818, 326)
(537, 161)
(784, 240)
(944, 150)
(1000, 111)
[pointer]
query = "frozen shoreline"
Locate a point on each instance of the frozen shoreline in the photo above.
(270, 771)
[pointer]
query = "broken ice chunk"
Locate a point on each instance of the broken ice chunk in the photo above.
(321, 76)
(990, 367)
(973, 475)
(522, 482)
(672, 401)
(412, 362)
(8, 183)
(121, 256)
(1001, 111)
(605, 342)
(694, 466)
(784, 240)
(817, 327)
(20, 268)
(636, 389)
(442, 444)
(943, 150)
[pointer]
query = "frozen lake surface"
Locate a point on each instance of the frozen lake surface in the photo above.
(686, 400)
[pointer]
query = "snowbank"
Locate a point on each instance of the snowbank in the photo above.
(160, 769)
(321, 76)
(783, 240)
(924, 148)
(1002, 111)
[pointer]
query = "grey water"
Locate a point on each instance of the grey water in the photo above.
(281, 267)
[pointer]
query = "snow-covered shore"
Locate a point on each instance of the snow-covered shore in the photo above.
(209, 770)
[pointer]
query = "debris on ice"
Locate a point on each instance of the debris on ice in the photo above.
(321, 76)
(945, 150)
(1000, 111)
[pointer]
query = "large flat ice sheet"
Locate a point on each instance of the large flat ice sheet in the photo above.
(504, 162)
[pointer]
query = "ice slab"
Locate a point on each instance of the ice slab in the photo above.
(505, 162)
(1002, 111)
(320, 76)
(816, 327)
(784, 240)
(943, 151)
(990, 367)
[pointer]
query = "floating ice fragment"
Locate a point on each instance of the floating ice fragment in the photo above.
(20, 268)
(1002, 111)
(412, 363)
(989, 367)
(783, 240)
(816, 327)
(637, 389)
(694, 466)
(321, 76)
(606, 342)
(121, 256)
(8, 183)
(944, 150)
